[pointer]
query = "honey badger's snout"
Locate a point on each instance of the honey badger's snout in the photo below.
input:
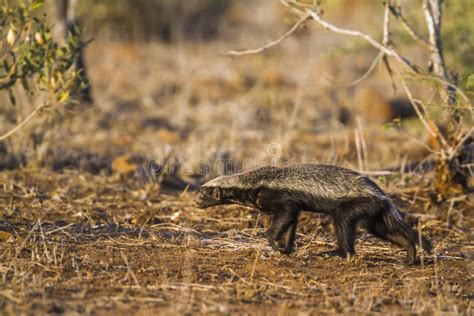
(199, 198)
(208, 196)
(203, 198)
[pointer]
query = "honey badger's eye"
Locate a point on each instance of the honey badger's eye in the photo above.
(216, 194)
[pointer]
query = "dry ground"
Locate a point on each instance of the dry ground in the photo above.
(89, 244)
(84, 229)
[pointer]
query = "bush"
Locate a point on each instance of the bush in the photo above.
(33, 63)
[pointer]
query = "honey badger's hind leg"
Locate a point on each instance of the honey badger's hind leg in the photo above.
(282, 231)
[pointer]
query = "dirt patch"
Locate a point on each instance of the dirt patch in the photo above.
(79, 243)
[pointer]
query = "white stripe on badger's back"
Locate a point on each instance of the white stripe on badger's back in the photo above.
(318, 180)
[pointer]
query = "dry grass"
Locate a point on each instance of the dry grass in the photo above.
(82, 231)
(83, 243)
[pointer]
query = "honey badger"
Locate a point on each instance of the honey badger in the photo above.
(349, 197)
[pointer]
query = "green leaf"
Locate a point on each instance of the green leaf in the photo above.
(63, 96)
(36, 4)
(470, 82)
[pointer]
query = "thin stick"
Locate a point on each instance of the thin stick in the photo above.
(386, 26)
(254, 266)
(43, 239)
(386, 42)
(358, 149)
(448, 215)
(441, 80)
(461, 142)
(256, 225)
(397, 12)
(379, 173)
(241, 278)
(23, 123)
(365, 153)
(143, 226)
(60, 229)
(387, 51)
(360, 79)
(129, 270)
(436, 134)
(8, 295)
(234, 53)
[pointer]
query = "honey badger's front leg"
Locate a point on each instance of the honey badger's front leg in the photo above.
(282, 231)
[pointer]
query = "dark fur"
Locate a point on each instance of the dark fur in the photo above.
(350, 198)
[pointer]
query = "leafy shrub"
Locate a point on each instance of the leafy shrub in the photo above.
(32, 58)
(35, 67)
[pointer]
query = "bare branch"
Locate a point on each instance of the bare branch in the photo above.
(234, 53)
(431, 128)
(387, 51)
(380, 173)
(386, 42)
(360, 79)
(461, 143)
(386, 26)
(390, 72)
(23, 123)
(448, 84)
(397, 12)
(441, 76)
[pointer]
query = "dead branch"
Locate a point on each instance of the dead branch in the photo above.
(387, 43)
(361, 78)
(461, 143)
(433, 17)
(432, 10)
(387, 51)
(23, 123)
(431, 128)
(442, 81)
(294, 28)
(376, 60)
(129, 270)
(386, 26)
(397, 13)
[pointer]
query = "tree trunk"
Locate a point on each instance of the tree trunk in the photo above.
(66, 14)
(433, 13)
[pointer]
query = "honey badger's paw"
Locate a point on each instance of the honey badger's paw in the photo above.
(284, 249)
(279, 245)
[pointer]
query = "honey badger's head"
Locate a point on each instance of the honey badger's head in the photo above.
(214, 192)
(208, 196)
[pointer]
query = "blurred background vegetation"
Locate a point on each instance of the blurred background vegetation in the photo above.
(174, 20)
(145, 20)
(146, 52)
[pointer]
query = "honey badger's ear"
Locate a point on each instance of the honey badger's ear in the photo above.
(216, 194)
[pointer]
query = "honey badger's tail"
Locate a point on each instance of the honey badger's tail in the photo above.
(394, 221)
